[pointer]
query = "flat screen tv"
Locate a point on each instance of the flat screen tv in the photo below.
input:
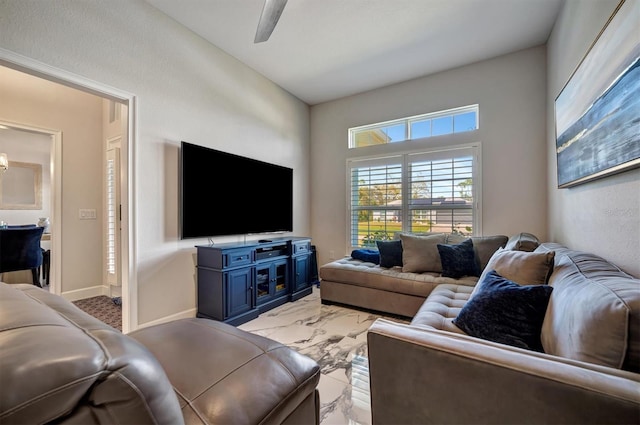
(226, 194)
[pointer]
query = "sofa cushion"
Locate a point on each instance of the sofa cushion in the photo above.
(522, 242)
(458, 259)
(442, 306)
(355, 272)
(396, 235)
(506, 312)
(225, 375)
(525, 268)
(594, 312)
(420, 253)
(390, 253)
(484, 246)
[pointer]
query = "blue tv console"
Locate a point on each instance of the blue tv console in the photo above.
(238, 281)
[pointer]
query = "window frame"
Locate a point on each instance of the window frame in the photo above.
(408, 121)
(475, 150)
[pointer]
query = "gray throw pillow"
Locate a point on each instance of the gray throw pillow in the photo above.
(523, 268)
(420, 253)
(523, 242)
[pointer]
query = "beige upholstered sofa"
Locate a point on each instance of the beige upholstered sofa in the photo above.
(391, 290)
(60, 365)
(430, 371)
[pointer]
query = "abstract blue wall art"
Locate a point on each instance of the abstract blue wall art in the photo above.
(597, 113)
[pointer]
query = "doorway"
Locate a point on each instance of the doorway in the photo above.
(126, 266)
(38, 147)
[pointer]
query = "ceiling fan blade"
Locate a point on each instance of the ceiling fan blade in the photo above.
(268, 19)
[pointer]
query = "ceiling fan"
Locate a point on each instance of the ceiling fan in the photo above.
(268, 19)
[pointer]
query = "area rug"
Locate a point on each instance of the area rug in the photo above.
(104, 309)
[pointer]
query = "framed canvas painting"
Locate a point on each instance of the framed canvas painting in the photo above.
(597, 113)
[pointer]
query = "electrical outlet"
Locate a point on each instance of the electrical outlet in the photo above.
(87, 214)
(332, 255)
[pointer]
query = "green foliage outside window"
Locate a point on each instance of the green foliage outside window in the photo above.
(365, 215)
(466, 231)
(466, 187)
(379, 235)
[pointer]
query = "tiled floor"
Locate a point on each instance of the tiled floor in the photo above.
(336, 337)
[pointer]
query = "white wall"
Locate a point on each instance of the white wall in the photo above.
(186, 90)
(43, 104)
(602, 216)
(510, 91)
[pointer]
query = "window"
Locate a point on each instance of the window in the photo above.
(451, 121)
(426, 191)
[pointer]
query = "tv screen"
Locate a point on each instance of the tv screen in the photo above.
(226, 194)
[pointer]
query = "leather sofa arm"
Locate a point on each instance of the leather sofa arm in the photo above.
(422, 376)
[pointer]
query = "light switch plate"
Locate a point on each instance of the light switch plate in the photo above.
(87, 214)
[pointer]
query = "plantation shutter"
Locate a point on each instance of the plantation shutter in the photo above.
(112, 206)
(414, 192)
(441, 191)
(375, 199)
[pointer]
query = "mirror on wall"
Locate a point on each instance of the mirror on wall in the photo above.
(21, 187)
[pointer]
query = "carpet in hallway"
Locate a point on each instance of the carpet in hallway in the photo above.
(102, 308)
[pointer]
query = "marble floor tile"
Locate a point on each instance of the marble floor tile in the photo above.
(335, 337)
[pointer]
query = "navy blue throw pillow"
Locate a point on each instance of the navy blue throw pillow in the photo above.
(368, 255)
(458, 260)
(505, 312)
(390, 253)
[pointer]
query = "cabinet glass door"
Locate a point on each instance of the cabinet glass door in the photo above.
(262, 283)
(280, 277)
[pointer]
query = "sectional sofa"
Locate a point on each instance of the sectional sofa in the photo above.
(585, 368)
(402, 289)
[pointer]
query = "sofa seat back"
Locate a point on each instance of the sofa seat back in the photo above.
(594, 311)
(59, 364)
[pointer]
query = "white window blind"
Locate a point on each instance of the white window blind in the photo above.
(112, 213)
(376, 197)
(111, 217)
(427, 191)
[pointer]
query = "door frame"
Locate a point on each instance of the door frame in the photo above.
(129, 265)
(55, 158)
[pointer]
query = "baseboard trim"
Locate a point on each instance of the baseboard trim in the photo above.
(181, 315)
(80, 294)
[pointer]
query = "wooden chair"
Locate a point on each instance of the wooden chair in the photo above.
(20, 250)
